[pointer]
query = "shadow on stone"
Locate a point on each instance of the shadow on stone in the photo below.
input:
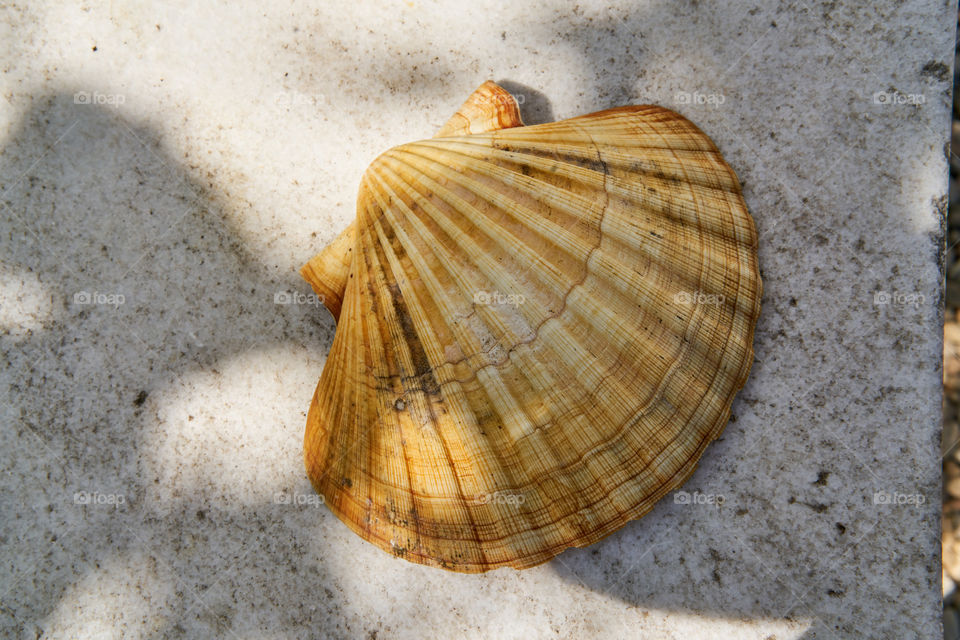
(148, 283)
(535, 107)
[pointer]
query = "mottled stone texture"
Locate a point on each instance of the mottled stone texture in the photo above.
(166, 170)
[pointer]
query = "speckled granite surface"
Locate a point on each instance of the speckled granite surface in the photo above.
(165, 171)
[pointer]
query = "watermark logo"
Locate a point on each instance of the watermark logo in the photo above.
(495, 297)
(899, 499)
(683, 497)
(699, 297)
(883, 298)
(97, 498)
(501, 497)
(85, 297)
(297, 99)
(95, 97)
(714, 99)
(895, 97)
(299, 499)
(295, 297)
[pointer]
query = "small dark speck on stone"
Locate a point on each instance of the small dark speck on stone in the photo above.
(821, 480)
(937, 70)
(773, 24)
(793, 302)
(841, 528)
(816, 507)
(141, 398)
(94, 47)
(201, 514)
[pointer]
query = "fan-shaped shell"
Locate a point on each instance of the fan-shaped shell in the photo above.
(540, 329)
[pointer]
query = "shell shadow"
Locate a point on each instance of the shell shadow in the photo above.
(535, 107)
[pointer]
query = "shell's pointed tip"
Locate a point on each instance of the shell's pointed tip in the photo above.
(489, 108)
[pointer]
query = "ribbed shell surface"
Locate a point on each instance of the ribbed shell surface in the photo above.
(542, 329)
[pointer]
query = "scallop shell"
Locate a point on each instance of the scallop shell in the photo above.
(540, 329)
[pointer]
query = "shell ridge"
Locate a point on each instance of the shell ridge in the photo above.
(319, 433)
(564, 305)
(646, 202)
(700, 235)
(721, 423)
(499, 233)
(546, 229)
(332, 458)
(694, 283)
(687, 333)
(461, 492)
(553, 277)
(437, 191)
(498, 363)
(737, 246)
(393, 261)
(377, 427)
(544, 192)
(645, 506)
(492, 329)
(546, 150)
(666, 381)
